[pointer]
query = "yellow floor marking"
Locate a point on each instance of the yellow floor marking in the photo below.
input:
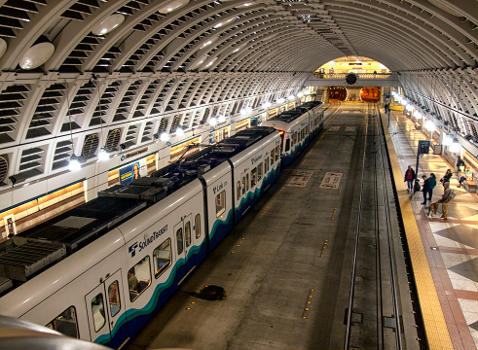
(436, 329)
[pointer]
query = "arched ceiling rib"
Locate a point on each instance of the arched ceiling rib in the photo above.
(157, 71)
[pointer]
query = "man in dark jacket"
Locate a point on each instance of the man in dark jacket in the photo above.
(409, 177)
(432, 181)
(426, 188)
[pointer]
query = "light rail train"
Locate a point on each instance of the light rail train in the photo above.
(100, 271)
(296, 127)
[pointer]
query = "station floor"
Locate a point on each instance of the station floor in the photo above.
(450, 247)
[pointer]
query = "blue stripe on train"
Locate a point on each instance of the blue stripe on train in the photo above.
(132, 320)
(253, 196)
(219, 230)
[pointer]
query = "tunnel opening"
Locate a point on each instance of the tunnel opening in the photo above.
(352, 64)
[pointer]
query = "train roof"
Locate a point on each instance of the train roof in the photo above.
(40, 247)
(293, 114)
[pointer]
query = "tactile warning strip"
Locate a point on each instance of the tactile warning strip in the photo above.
(438, 336)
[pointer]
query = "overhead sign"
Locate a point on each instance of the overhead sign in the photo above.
(423, 146)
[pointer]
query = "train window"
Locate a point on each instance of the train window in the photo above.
(220, 203)
(66, 323)
(287, 145)
(114, 298)
(266, 166)
(243, 185)
(187, 233)
(180, 240)
(253, 177)
(139, 278)
(197, 225)
(98, 312)
(259, 172)
(247, 181)
(277, 153)
(272, 156)
(162, 257)
(238, 190)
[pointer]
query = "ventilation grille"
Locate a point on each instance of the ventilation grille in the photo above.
(12, 100)
(105, 63)
(145, 98)
(124, 108)
(63, 153)
(131, 136)
(160, 100)
(104, 104)
(90, 146)
(112, 140)
(147, 132)
(80, 11)
(30, 163)
(173, 101)
(14, 15)
(46, 110)
(163, 125)
(3, 168)
(79, 106)
(175, 123)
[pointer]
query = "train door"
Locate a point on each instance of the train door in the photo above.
(104, 305)
(179, 232)
(188, 236)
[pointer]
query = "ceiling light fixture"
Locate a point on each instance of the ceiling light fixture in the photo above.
(172, 5)
(164, 137)
(37, 55)
(74, 164)
(103, 155)
(109, 24)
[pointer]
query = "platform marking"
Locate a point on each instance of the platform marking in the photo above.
(331, 180)
(308, 302)
(299, 178)
(332, 217)
(436, 329)
(324, 246)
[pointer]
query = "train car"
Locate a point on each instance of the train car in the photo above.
(297, 127)
(255, 168)
(100, 271)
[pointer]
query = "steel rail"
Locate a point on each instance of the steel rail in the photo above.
(356, 243)
(392, 262)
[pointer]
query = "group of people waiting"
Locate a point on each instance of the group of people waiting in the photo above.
(429, 184)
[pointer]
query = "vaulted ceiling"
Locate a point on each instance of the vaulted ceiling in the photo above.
(122, 71)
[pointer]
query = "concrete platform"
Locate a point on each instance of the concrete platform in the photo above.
(449, 248)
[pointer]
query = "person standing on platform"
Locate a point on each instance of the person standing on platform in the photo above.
(409, 177)
(446, 177)
(432, 183)
(426, 188)
(460, 166)
(445, 199)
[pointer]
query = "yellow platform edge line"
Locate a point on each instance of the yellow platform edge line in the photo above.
(436, 330)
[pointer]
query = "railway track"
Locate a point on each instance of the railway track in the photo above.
(373, 315)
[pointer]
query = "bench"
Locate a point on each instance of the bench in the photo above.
(470, 185)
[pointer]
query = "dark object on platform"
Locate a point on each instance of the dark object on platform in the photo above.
(211, 293)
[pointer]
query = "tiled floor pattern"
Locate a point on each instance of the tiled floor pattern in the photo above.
(453, 243)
